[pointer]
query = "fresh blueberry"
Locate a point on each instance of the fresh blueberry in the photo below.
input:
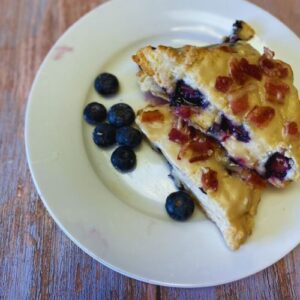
(94, 113)
(277, 166)
(106, 84)
(180, 206)
(123, 159)
(184, 94)
(128, 136)
(104, 135)
(120, 115)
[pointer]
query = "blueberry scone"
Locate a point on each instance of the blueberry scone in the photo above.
(201, 166)
(245, 100)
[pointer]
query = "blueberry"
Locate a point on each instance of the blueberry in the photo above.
(184, 94)
(277, 166)
(104, 135)
(241, 134)
(123, 159)
(128, 136)
(214, 130)
(225, 128)
(121, 114)
(180, 206)
(94, 113)
(106, 84)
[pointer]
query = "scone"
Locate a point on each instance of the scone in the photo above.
(202, 167)
(245, 100)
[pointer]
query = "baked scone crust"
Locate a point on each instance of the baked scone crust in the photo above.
(232, 209)
(199, 68)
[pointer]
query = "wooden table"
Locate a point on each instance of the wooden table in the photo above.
(37, 261)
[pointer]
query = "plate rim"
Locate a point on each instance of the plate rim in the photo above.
(44, 200)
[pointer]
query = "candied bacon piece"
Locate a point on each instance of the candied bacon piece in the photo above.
(237, 73)
(202, 150)
(183, 111)
(201, 146)
(223, 83)
(276, 91)
(241, 69)
(271, 67)
(250, 69)
(152, 116)
(266, 64)
(209, 180)
(260, 116)
(283, 72)
(254, 179)
(239, 105)
(291, 129)
(178, 137)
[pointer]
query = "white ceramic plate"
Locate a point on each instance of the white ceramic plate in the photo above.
(120, 219)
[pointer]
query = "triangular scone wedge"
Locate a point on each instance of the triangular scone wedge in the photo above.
(202, 167)
(246, 101)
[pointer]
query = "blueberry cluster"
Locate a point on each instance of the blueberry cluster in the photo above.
(118, 128)
(114, 126)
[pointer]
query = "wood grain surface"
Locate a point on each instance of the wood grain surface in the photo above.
(37, 261)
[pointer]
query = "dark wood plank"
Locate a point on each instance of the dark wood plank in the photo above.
(37, 261)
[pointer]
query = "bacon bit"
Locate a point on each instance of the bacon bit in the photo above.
(266, 64)
(239, 105)
(223, 83)
(283, 72)
(152, 116)
(178, 137)
(254, 179)
(291, 128)
(201, 146)
(274, 69)
(276, 91)
(236, 73)
(202, 150)
(209, 180)
(271, 67)
(250, 69)
(260, 116)
(183, 111)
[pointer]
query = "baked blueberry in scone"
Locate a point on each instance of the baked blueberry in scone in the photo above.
(244, 99)
(201, 165)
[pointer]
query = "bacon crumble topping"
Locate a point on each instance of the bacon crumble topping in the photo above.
(239, 105)
(276, 91)
(209, 180)
(291, 129)
(261, 116)
(223, 83)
